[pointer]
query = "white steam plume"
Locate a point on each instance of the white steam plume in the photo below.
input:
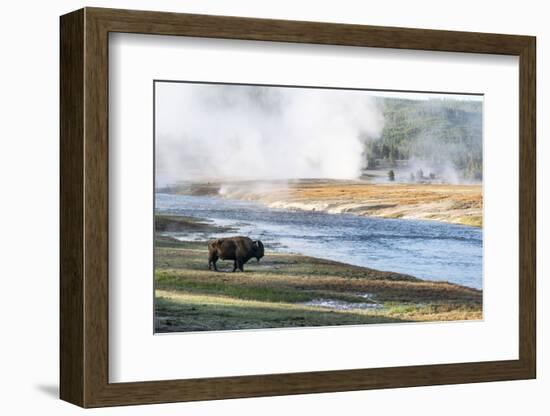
(233, 132)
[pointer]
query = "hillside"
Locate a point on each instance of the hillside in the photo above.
(439, 133)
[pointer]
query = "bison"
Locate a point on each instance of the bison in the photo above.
(238, 249)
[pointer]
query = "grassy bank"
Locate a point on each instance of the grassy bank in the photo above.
(289, 290)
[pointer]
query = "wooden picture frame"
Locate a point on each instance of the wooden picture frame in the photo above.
(84, 207)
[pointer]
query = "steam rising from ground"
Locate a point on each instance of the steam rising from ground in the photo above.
(234, 132)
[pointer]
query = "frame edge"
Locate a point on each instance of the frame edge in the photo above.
(71, 291)
(528, 208)
(84, 147)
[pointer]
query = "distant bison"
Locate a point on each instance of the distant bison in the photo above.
(238, 249)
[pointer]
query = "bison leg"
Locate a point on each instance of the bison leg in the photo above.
(241, 264)
(212, 262)
(234, 265)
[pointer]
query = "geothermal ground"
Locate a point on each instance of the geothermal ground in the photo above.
(457, 204)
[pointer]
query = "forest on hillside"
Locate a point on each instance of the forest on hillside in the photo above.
(437, 132)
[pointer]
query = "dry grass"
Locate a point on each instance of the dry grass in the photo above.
(458, 204)
(274, 293)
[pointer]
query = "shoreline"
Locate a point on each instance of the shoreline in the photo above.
(453, 204)
(292, 290)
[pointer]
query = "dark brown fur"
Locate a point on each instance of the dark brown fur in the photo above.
(239, 249)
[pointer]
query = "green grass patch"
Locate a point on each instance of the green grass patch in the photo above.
(179, 313)
(273, 293)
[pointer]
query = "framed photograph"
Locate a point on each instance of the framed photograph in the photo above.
(254, 207)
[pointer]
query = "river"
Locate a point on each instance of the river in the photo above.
(428, 250)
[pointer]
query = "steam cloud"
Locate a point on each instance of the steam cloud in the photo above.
(234, 132)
